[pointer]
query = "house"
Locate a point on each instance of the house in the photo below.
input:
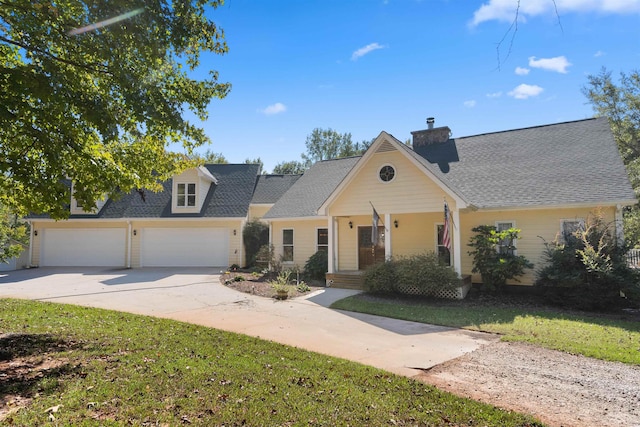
(16, 263)
(543, 180)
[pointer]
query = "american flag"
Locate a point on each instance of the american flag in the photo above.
(446, 235)
(374, 228)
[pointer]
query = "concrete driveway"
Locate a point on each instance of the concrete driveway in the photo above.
(195, 295)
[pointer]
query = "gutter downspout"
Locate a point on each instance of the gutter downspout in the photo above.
(30, 242)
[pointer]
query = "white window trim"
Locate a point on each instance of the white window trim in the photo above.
(581, 221)
(513, 225)
(317, 243)
(186, 195)
(395, 173)
(293, 238)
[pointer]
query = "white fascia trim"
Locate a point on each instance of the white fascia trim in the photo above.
(204, 172)
(261, 204)
(124, 220)
(371, 151)
(556, 206)
(301, 218)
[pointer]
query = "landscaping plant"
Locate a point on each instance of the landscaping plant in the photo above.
(254, 235)
(588, 269)
(423, 274)
(494, 256)
(316, 266)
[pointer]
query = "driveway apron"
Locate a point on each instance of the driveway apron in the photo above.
(195, 295)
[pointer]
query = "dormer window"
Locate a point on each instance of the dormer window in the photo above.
(186, 195)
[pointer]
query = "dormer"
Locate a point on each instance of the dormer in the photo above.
(77, 208)
(189, 189)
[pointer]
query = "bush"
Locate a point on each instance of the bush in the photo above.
(254, 235)
(494, 256)
(423, 274)
(317, 266)
(588, 269)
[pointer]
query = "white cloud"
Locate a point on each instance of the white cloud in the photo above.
(505, 10)
(558, 64)
(521, 71)
(598, 54)
(276, 108)
(470, 104)
(494, 95)
(525, 91)
(367, 49)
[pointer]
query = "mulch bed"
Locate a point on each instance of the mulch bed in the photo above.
(259, 284)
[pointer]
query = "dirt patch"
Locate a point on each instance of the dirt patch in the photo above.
(560, 389)
(259, 284)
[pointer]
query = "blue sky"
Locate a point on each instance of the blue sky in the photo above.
(367, 66)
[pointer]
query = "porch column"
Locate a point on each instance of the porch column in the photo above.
(457, 257)
(332, 234)
(387, 236)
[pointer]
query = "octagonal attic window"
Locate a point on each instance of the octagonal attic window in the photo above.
(387, 173)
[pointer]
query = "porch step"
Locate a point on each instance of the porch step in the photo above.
(350, 280)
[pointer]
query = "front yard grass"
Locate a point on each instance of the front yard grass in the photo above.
(603, 337)
(80, 366)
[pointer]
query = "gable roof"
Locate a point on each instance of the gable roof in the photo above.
(269, 188)
(312, 189)
(228, 197)
(569, 163)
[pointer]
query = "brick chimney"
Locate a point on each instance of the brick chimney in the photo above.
(431, 135)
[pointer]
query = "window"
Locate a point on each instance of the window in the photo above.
(569, 227)
(322, 239)
(441, 249)
(186, 195)
(287, 245)
(503, 245)
(387, 173)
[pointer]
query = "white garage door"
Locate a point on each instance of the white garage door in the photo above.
(185, 247)
(83, 247)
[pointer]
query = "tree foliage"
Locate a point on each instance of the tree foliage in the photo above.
(254, 235)
(324, 144)
(213, 157)
(494, 256)
(12, 233)
(97, 103)
(588, 269)
(289, 168)
(620, 103)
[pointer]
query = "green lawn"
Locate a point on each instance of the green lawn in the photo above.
(601, 337)
(111, 368)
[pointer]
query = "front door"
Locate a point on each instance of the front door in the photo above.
(367, 253)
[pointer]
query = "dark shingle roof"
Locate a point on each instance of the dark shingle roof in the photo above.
(269, 188)
(312, 189)
(559, 164)
(228, 199)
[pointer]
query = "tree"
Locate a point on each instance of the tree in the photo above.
(289, 168)
(12, 233)
(620, 103)
(324, 144)
(211, 157)
(93, 92)
(256, 161)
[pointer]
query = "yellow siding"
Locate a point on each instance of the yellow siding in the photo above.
(533, 223)
(348, 241)
(236, 251)
(410, 191)
(258, 211)
(40, 226)
(304, 239)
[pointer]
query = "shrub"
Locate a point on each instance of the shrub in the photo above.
(254, 235)
(266, 259)
(316, 266)
(588, 269)
(423, 274)
(494, 256)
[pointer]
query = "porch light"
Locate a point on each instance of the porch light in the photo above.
(35, 232)
(234, 232)
(395, 223)
(350, 224)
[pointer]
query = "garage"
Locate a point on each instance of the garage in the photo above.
(83, 247)
(184, 247)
